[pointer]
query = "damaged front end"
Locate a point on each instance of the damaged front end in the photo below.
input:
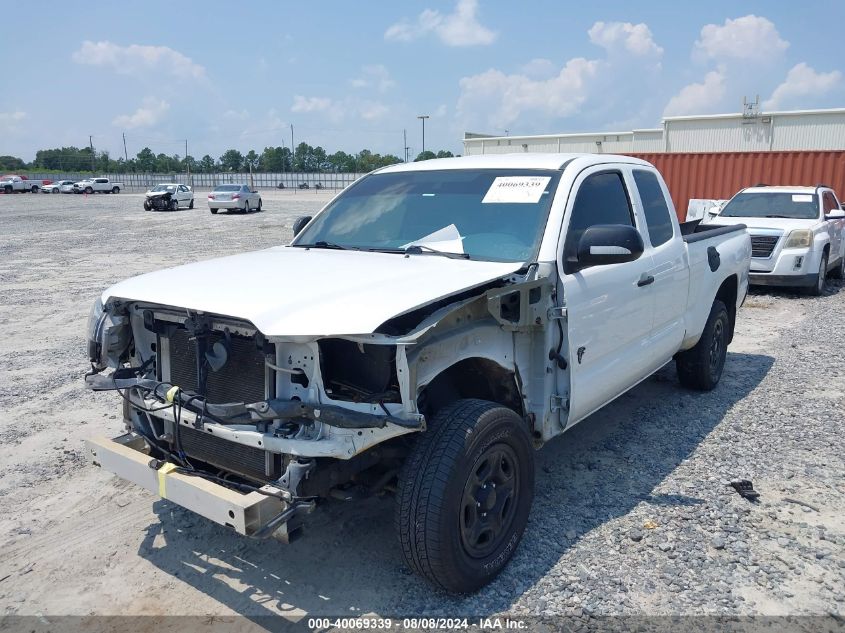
(226, 411)
(159, 201)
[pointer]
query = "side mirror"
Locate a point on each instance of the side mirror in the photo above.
(609, 244)
(834, 214)
(300, 223)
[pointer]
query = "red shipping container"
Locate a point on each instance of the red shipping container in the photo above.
(719, 175)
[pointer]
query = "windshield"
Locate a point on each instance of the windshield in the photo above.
(490, 214)
(170, 188)
(804, 206)
(228, 188)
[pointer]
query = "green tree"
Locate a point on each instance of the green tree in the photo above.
(426, 155)
(189, 162)
(303, 158)
(251, 159)
(207, 164)
(11, 163)
(445, 154)
(146, 160)
(232, 160)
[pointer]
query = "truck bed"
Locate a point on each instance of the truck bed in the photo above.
(695, 231)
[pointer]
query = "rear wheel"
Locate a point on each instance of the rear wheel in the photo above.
(34, 189)
(701, 367)
(191, 204)
(246, 206)
(115, 190)
(259, 205)
(817, 289)
(464, 495)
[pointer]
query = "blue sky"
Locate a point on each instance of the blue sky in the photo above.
(354, 75)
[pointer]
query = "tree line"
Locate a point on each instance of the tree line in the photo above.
(273, 159)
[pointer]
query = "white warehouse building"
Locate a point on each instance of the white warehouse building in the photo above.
(752, 131)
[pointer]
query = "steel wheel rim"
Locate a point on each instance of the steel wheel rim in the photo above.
(717, 347)
(489, 501)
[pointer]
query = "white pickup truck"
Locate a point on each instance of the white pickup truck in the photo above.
(796, 234)
(433, 325)
(15, 184)
(97, 185)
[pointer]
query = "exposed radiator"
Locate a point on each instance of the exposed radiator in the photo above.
(248, 461)
(241, 379)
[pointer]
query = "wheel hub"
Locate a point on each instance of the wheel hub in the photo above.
(489, 500)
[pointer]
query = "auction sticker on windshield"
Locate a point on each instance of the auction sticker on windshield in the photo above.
(802, 197)
(520, 189)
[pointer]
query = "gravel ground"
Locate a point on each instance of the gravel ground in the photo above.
(632, 512)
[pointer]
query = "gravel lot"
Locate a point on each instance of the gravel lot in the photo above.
(632, 514)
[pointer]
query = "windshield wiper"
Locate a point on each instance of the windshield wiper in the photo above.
(422, 249)
(788, 217)
(324, 244)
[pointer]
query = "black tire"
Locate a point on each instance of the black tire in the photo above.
(147, 206)
(258, 209)
(701, 367)
(89, 190)
(447, 490)
(191, 204)
(7, 189)
(115, 190)
(246, 206)
(34, 189)
(174, 204)
(54, 190)
(817, 289)
(213, 211)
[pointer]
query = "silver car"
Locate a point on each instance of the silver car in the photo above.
(239, 197)
(59, 186)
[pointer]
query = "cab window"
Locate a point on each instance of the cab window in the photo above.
(601, 199)
(657, 215)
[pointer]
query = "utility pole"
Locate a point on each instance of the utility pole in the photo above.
(405, 140)
(187, 164)
(423, 117)
(292, 150)
(91, 145)
(125, 153)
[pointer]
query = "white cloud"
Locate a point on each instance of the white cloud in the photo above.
(801, 86)
(372, 110)
(374, 76)
(749, 38)
(539, 68)
(511, 95)
(10, 121)
(697, 98)
(310, 104)
(459, 28)
(151, 112)
(136, 57)
(635, 39)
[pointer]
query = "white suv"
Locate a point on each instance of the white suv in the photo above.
(796, 234)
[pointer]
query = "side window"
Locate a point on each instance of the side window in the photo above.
(829, 202)
(657, 214)
(601, 199)
(101, 180)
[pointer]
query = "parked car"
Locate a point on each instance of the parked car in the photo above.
(234, 197)
(18, 184)
(97, 185)
(422, 335)
(796, 234)
(169, 197)
(58, 186)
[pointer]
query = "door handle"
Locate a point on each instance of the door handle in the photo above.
(645, 280)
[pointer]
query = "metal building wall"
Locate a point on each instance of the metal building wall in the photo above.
(719, 175)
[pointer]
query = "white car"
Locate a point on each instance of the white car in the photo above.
(236, 197)
(97, 185)
(169, 197)
(58, 186)
(796, 234)
(434, 324)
